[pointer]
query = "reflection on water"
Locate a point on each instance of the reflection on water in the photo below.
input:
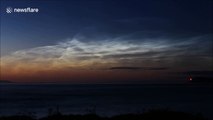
(104, 99)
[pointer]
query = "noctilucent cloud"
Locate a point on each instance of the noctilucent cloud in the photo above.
(106, 41)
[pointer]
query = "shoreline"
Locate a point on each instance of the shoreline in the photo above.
(163, 114)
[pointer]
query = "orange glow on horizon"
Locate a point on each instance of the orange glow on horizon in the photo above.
(79, 76)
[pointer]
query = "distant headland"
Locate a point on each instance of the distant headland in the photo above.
(5, 81)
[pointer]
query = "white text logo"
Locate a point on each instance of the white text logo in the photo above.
(22, 10)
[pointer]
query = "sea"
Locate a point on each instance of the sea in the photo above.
(104, 99)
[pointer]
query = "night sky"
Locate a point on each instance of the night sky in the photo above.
(107, 41)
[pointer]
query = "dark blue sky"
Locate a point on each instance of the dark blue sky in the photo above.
(58, 20)
(143, 35)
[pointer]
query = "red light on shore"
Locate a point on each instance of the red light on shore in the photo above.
(190, 79)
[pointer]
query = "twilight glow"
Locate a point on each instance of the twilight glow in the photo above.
(120, 49)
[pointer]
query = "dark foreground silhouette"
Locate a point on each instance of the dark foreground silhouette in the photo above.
(151, 115)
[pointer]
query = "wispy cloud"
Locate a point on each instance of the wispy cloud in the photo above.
(137, 68)
(104, 54)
